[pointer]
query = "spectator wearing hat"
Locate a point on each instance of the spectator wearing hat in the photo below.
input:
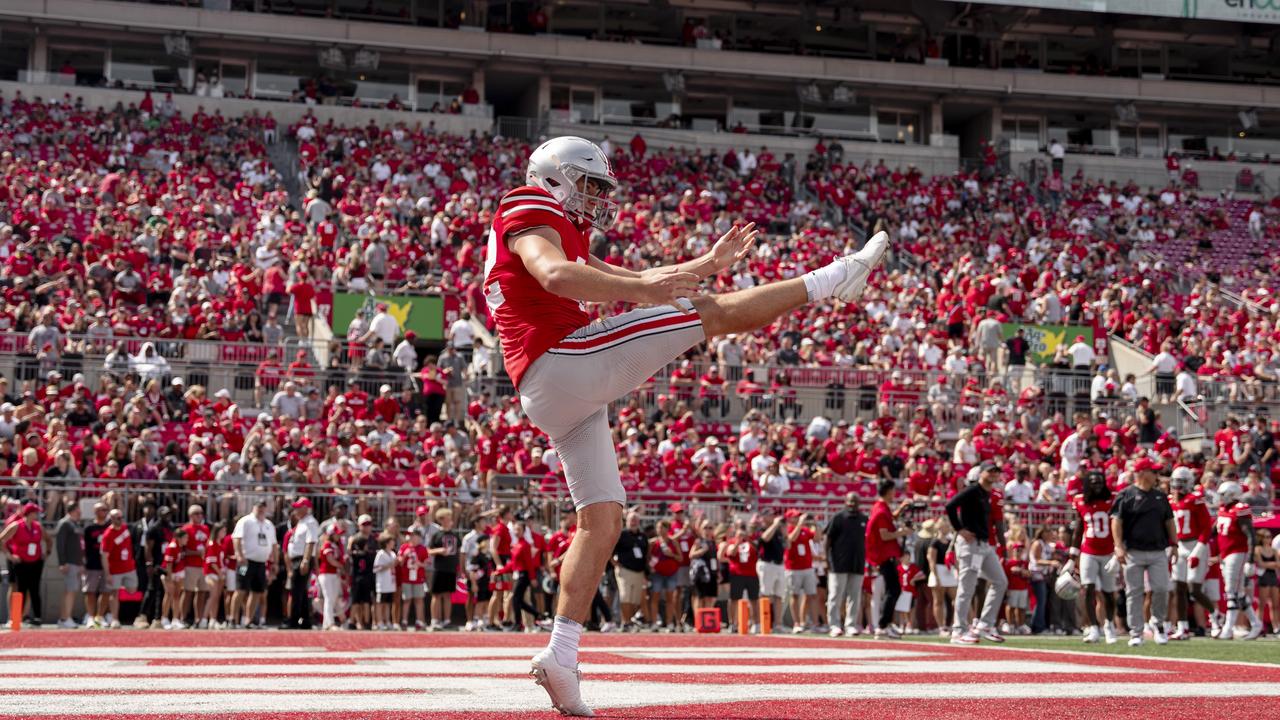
(331, 568)
(1145, 534)
(405, 355)
(24, 545)
(300, 552)
(970, 512)
(1082, 355)
(383, 326)
(69, 547)
(363, 548)
(846, 551)
(254, 543)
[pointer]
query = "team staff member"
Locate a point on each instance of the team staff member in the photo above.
(117, 558)
(254, 540)
(301, 550)
(970, 513)
(883, 550)
(773, 548)
(1142, 525)
(847, 552)
(23, 543)
(631, 560)
(192, 565)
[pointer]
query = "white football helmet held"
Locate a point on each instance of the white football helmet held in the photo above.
(1067, 587)
(577, 174)
(1229, 493)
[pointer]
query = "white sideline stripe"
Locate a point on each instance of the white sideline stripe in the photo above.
(498, 694)
(12, 670)
(1143, 658)
(433, 653)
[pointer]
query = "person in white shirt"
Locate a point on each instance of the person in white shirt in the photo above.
(965, 453)
(1019, 490)
(709, 453)
(1163, 366)
(406, 355)
(1185, 385)
(383, 326)
(254, 539)
(300, 553)
(384, 581)
(772, 482)
(1082, 355)
(1074, 449)
(461, 334)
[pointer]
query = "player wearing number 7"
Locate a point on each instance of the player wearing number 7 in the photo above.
(539, 273)
(1195, 526)
(1093, 545)
(1235, 544)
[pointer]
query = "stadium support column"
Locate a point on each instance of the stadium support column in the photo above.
(40, 54)
(935, 124)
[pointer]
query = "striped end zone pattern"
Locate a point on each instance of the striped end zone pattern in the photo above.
(78, 674)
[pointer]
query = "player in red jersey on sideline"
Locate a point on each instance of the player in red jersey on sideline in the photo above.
(1195, 525)
(539, 272)
(1235, 544)
(1093, 544)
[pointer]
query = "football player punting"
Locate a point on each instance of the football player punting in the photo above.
(1093, 544)
(1235, 543)
(539, 275)
(1195, 525)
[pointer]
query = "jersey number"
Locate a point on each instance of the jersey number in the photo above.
(1097, 525)
(1224, 525)
(1182, 519)
(744, 553)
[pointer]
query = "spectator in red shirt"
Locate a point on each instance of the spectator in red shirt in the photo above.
(801, 577)
(116, 546)
(304, 296)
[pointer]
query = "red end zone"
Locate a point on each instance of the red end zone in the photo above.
(114, 675)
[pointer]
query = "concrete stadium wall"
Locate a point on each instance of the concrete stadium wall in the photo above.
(931, 160)
(285, 113)
(544, 48)
(1150, 172)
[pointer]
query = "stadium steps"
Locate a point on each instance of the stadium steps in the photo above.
(284, 157)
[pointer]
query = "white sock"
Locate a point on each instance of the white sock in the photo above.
(1252, 616)
(565, 635)
(821, 283)
(1230, 621)
(1182, 625)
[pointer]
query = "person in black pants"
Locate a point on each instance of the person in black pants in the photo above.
(883, 551)
(155, 536)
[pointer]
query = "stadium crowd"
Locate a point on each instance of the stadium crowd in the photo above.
(130, 230)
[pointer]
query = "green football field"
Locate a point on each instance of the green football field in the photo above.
(1263, 650)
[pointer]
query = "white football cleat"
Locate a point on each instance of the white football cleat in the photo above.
(1091, 635)
(561, 684)
(1135, 641)
(859, 265)
(834, 631)
(1157, 634)
(1255, 632)
(1109, 632)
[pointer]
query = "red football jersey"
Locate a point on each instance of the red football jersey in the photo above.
(413, 563)
(799, 555)
(530, 320)
(1191, 516)
(1096, 517)
(1231, 537)
(741, 557)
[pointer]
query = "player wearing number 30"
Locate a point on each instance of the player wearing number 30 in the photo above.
(1093, 544)
(1235, 545)
(539, 272)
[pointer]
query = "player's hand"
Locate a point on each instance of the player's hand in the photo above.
(304, 567)
(733, 246)
(1121, 556)
(666, 285)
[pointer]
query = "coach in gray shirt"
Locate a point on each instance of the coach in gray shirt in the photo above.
(1142, 525)
(68, 542)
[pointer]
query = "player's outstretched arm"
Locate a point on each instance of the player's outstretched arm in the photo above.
(729, 249)
(543, 256)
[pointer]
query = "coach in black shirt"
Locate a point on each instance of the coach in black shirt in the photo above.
(847, 554)
(631, 560)
(970, 514)
(1142, 525)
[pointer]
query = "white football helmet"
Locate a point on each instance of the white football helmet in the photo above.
(1229, 493)
(1067, 587)
(560, 164)
(1182, 479)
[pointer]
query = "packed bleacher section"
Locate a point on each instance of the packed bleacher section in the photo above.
(138, 243)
